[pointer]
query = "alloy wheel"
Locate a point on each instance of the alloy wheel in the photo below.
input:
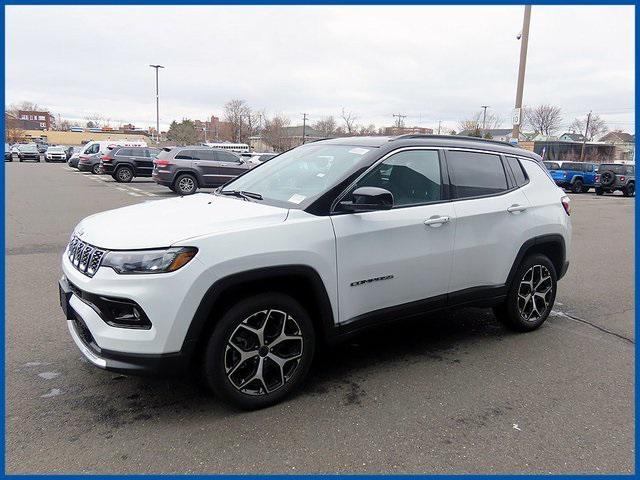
(263, 352)
(124, 174)
(534, 293)
(186, 184)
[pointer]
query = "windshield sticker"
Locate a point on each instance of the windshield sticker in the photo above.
(297, 198)
(359, 151)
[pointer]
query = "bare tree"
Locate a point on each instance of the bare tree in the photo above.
(349, 119)
(475, 121)
(597, 126)
(326, 125)
(94, 120)
(368, 130)
(14, 108)
(544, 119)
(235, 113)
(275, 133)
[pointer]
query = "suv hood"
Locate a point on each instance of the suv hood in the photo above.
(162, 223)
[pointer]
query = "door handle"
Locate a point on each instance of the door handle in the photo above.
(196, 163)
(516, 208)
(436, 220)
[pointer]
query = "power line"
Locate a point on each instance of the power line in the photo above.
(400, 121)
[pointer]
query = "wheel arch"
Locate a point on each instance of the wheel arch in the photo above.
(302, 282)
(194, 173)
(577, 177)
(552, 245)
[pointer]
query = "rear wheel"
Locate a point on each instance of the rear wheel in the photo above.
(259, 351)
(95, 169)
(576, 187)
(629, 190)
(123, 174)
(599, 191)
(185, 184)
(531, 295)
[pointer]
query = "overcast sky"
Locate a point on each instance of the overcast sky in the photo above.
(430, 63)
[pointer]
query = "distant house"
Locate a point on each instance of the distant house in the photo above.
(500, 134)
(571, 137)
(624, 143)
(35, 120)
(393, 131)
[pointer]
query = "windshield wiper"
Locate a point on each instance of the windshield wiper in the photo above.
(242, 194)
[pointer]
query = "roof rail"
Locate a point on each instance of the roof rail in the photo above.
(450, 137)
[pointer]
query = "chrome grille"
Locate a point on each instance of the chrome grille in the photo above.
(86, 258)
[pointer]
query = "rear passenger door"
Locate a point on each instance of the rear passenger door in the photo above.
(206, 165)
(492, 219)
(144, 161)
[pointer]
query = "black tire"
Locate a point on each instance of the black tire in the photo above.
(185, 184)
(607, 178)
(123, 174)
(221, 357)
(576, 186)
(20, 159)
(517, 312)
(629, 190)
(599, 191)
(95, 169)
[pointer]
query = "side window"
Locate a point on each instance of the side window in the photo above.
(124, 152)
(184, 155)
(412, 176)
(95, 148)
(518, 172)
(206, 155)
(226, 157)
(475, 174)
(631, 170)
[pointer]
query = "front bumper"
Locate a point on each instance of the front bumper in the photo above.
(168, 300)
(29, 156)
(131, 363)
(56, 158)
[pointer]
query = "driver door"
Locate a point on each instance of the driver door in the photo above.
(401, 256)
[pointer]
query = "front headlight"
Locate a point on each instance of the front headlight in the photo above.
(149, 261)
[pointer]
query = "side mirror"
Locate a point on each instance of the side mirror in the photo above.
(368, 199)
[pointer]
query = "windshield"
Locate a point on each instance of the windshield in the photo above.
(552, 165)
(299, 175)
(56, 149)
(617, 168)
(29, 148)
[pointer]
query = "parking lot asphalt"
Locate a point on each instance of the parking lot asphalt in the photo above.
(449, 393)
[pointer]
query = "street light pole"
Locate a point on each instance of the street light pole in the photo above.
(157, 103)
(484, 117)
(523, 64)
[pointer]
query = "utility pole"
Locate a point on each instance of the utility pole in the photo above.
(400, 121)
(523, 65)
(204, 129)
(304, 128)
(484, 117)
(439, 123)
(586, 131)
(157, 67)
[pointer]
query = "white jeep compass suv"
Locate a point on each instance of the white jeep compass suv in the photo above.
(318, 243)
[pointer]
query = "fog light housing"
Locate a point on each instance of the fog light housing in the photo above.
(122, 313)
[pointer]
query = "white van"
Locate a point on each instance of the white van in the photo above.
(101, 146)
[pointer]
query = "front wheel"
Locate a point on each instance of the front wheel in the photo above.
(576, 187)
(531, 295)
(629, 190)
(259, 351)
(599, 191)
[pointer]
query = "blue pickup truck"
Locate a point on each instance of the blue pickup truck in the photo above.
(578, 177)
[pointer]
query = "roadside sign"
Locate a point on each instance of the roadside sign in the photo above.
(516, 116)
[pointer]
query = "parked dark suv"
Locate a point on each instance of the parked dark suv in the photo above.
(28, 151)
(125, 163)
(185, 169)
(616, 176)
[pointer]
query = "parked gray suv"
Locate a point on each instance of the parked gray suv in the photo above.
(616, 176)
(185, 169)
